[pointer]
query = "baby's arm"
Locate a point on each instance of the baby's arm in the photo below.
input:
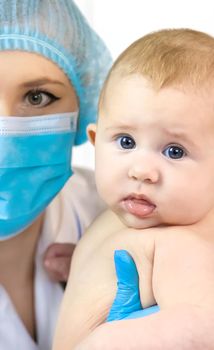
(92, 281)
(176, 328)
(193, 332)
(82, 295)
(92, 287)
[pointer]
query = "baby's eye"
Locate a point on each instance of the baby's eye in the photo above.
(174, 152)
(126, 142)
(39, 98)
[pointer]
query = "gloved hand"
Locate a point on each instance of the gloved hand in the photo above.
(127, 303)
(57, 261)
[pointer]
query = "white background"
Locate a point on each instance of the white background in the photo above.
(119, 22)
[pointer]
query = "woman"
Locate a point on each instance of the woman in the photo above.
(52, 65)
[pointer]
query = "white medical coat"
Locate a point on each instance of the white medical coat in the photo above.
(65, 220)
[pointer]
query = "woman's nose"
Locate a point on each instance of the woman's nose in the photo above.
(144, 172)
(6, 109)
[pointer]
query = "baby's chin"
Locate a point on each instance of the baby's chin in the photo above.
(156, 220)
(139, 223)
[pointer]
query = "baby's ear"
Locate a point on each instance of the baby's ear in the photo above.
(91, 132)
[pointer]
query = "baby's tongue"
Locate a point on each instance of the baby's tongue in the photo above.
(138, 207)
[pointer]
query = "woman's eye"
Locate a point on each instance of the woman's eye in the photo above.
(174, 152)
(40, 98)
(126, 142)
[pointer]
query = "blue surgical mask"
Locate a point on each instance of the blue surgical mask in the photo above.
(35, 163)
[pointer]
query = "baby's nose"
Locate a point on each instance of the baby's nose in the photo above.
(145, 173)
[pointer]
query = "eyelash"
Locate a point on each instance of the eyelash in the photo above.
(118, 139)
(171, 146)
(132, 145)
(38, 91)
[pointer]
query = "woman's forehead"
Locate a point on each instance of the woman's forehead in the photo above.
(29, 66)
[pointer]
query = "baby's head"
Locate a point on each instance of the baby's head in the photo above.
(155, 134)
(56, 31)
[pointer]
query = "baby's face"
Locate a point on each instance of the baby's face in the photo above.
(33, 85)
(155, 153)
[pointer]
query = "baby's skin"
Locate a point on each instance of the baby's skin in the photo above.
(175, 265)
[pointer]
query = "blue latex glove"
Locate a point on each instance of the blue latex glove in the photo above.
(127, 303)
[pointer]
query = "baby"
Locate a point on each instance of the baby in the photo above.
(154, 148)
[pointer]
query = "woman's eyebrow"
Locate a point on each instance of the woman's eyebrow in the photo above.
(41, 81)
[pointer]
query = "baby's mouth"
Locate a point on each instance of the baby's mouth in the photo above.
(138, 205)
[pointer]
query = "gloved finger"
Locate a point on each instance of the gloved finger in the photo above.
(58, 268)
(144, 312)
(59, 249)
(127, 299)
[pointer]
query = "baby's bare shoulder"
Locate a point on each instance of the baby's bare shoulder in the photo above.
(187, 254)
(188, 238)
(103, 226)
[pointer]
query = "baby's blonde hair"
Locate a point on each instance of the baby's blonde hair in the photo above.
(168, 57)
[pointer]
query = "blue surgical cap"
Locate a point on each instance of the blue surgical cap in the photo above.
(57, 30)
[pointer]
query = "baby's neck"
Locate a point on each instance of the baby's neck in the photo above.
(205, 227)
